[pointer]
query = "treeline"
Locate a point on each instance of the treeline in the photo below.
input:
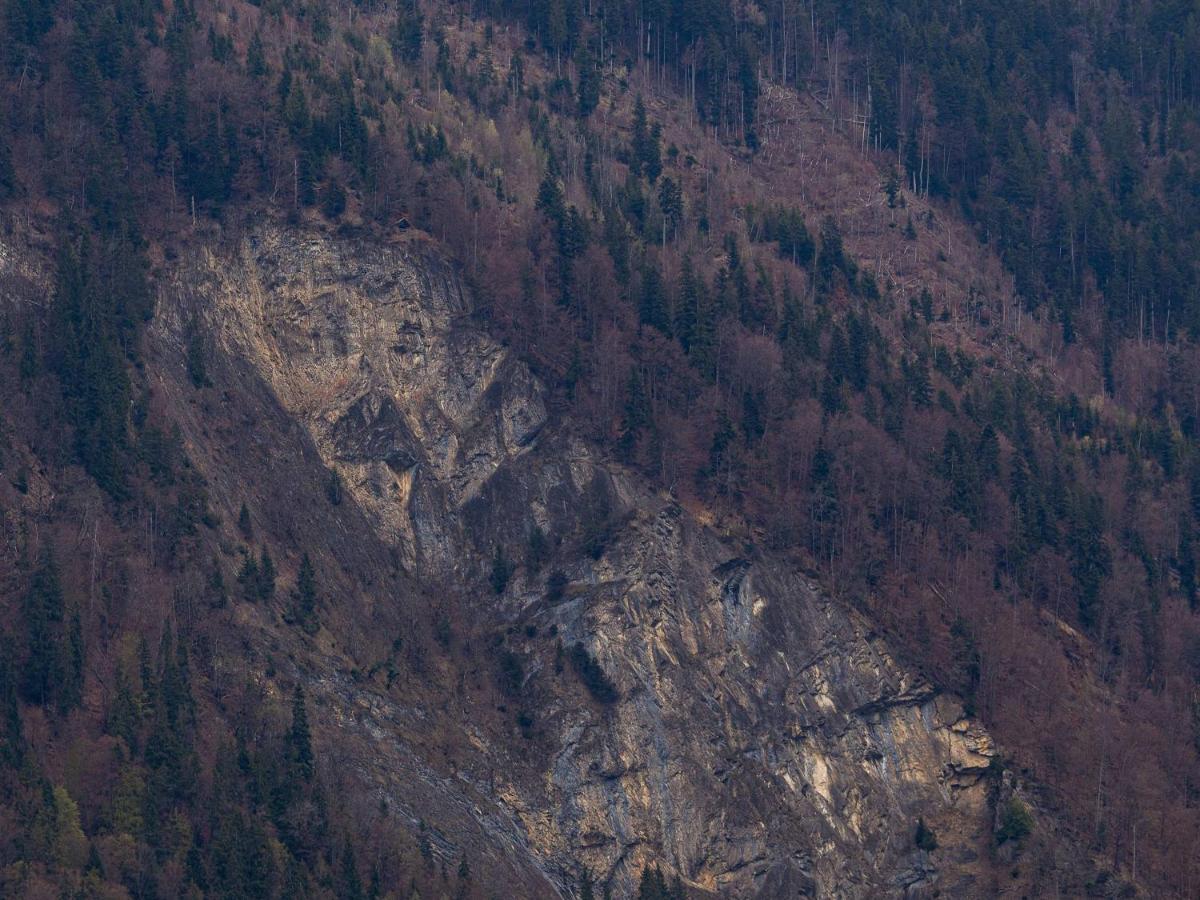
(964, 99)
(1068, 134)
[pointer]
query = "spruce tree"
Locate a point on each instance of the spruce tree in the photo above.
(304, 598)
(266, 576)
(645, 153)
(924, 837)
(502, 570)
(299, 738)
(42, 675)
(652, 309)
(249, 578)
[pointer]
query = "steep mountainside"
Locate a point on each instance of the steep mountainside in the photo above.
(557, 449)
(749, 732)
(754, 733)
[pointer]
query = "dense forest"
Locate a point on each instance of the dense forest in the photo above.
(1002, 468)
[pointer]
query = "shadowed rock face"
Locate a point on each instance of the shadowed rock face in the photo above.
(763, 741)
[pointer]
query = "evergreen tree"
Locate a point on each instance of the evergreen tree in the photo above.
(89, 325)
(250, 578)
(43, 672)
(197, 369)
(589, 82)
(71, 694)
(653, 886)
(644, 152)
(29, 353)
(924, 837)
(652, 309)
(123, 714)
(8, 176)
(537, 549)
(1185, 562)
(304, 597)
(637, 414)
(12, 737)
(1091, 560)
(832, 259)
(266, 576)
(596, 517)
(550, 197)
(592, 674)
(256, 61)
(407, 34)
(670, 202)
(351, 883)
(695, 322)
(502, 570)
(858, 370)
(300, 752)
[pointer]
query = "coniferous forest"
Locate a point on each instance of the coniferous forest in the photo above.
(908, 293)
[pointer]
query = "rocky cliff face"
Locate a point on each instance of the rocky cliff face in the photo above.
(763, 742)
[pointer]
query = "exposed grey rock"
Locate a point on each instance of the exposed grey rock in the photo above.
(764, 742)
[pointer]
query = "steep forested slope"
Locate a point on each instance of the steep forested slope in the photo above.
(906, 293)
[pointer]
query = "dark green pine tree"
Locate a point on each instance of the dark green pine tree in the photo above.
(249, 578)
(924, 837)
(537, 549)
(123, 715)
(838, 364)
(721, 452)
(695, 324)
(12, 737)
(502, 570)
(29, 353)
(645, 155)
(652, 308)
(1185, 562)
(85, 353)
(407, 34)
(858, 345)
(589, 82)
(916, 376)
(637, 414)
(351, 886)
(962, 475)
(71, 694)
(670, 202)
(197, 368)
(586, 892)
(550, 197)
(8, 177)
(832, 259)
(831, 395)
(256, 60)
(42, 676)
(299, 740)
(596, 517)
(266, 576)
(653, 885)
(1091, 560)
(304, 598)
